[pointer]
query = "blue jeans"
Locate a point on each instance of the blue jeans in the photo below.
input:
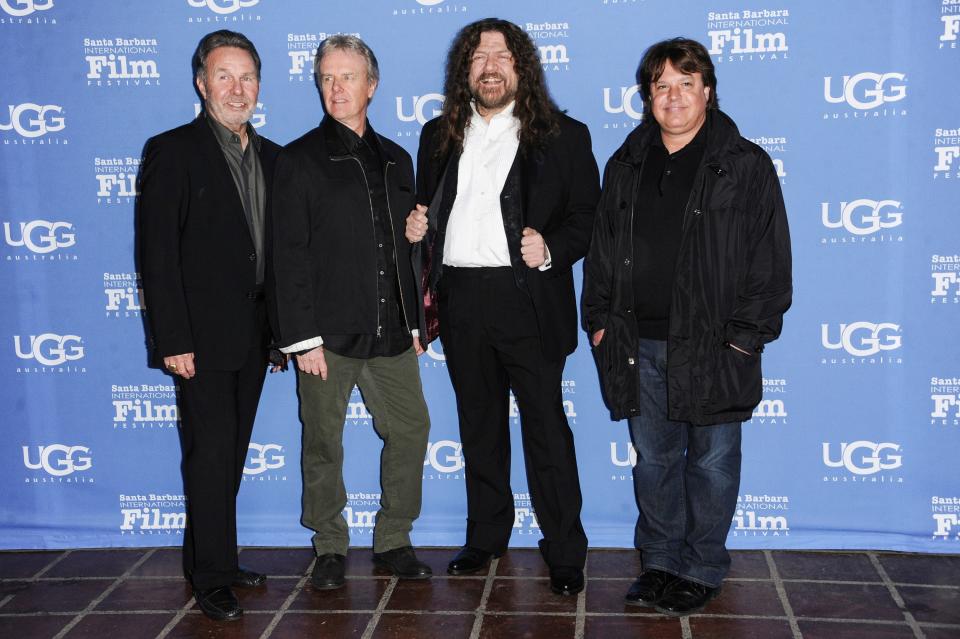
(686, 481)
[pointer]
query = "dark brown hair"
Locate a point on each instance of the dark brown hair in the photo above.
(686, 56)
(534, 107)
(215, 40)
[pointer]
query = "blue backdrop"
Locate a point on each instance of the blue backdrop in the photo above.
(855, 444)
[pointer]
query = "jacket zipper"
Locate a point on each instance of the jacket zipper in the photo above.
(373, 223)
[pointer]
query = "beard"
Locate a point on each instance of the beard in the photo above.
(495, 97)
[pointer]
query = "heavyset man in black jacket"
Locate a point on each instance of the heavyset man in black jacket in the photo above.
(687, 278)
(348, 310)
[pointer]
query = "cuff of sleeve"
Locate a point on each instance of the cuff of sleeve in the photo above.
(548, 262)
(305, 345)
(415, 332)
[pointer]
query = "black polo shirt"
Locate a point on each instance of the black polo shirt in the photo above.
(665, 183)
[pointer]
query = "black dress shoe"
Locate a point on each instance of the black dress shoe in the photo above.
(566, 580)
(328, 572)
(246, 578)
(684, 597)
(403, 563)
(469, 560)
(220, 604)
(648, 589)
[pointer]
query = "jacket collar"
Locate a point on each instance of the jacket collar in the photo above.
(334, 139)
(722, 133)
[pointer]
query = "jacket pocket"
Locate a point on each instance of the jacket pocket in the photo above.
(735, 383)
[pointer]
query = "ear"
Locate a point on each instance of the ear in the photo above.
(706, 94)
(371, 90)
(201, 87)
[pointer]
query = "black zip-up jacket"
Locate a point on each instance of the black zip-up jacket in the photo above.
(325, 257)
(732, 282)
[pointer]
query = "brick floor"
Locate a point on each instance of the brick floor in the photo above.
(128, 594)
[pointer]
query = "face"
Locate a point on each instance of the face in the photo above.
(231, 87)
(493, 80)
(679, 102)
(346, 88)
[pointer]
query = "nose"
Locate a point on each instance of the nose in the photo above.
(673, 92)
(236, 88)
(490, 64)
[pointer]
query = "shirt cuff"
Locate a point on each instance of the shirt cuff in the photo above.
(305, 345)
(548, 262)
(415, 332)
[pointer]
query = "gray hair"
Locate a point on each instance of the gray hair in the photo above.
(345, 42)
(215, 40)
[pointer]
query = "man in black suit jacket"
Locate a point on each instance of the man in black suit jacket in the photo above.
(206, 273)
(512, 185)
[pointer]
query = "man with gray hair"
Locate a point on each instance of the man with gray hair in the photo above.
(202, 218)
(348, 310)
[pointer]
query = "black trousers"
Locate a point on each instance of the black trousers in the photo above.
(217, 411)
(491, 340)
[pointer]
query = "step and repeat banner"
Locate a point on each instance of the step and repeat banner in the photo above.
(856, 442)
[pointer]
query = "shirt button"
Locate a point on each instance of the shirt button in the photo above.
(630, 361)
(381, 272)
(252, 257)
(379, 245)
(626, 261)
(382, 300)
(667, 172)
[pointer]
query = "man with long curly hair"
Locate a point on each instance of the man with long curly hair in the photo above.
(512, 185)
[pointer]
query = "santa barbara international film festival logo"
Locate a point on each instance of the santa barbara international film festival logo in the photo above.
(748, 35)
(444, 460)
(416, 110)
(153, 514)
(550, 38)
(776, 147)
(222, 11)
(32, 12)
(945, 279)
(867, 94)
(624, 107)
(861, 343)
(124, 294)
(121, 62)
(29, 123)
(302, 51)
(360, 512)
(861, 221)
(143, 407)
(772, 409)
(524, 518)
(40, 241)
(946, 147)
(257, 120)
(568, 388)
(49, 353)
(950, 20)
(862, 461)
(945, 401)
(945, 512)
(761, 516)
(116, 179)
(57, 464)
(413, 8)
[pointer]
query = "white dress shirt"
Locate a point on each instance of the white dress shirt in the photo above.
(475, 235)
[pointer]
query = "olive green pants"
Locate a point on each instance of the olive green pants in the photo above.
(394, 397)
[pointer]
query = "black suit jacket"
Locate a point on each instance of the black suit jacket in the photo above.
(197, 257)
(553, 190)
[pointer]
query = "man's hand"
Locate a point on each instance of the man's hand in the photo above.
(181, 365)
(597, 337)
(416, 224)
(313, 362)
(420, 350)
(532, 248)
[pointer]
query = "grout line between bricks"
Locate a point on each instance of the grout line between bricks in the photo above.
(285, 606)
(685, 630)
(372, 624)
(482, 607)
(580, 626)
(96, 602)
(907, 615)
(53, 563)
(181, 613)
(782, 593)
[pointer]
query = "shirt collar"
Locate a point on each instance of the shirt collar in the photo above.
(225, 136)
(698, 142)
(502, 121)
(350, 138)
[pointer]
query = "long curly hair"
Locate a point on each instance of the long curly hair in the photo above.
(534, 107)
